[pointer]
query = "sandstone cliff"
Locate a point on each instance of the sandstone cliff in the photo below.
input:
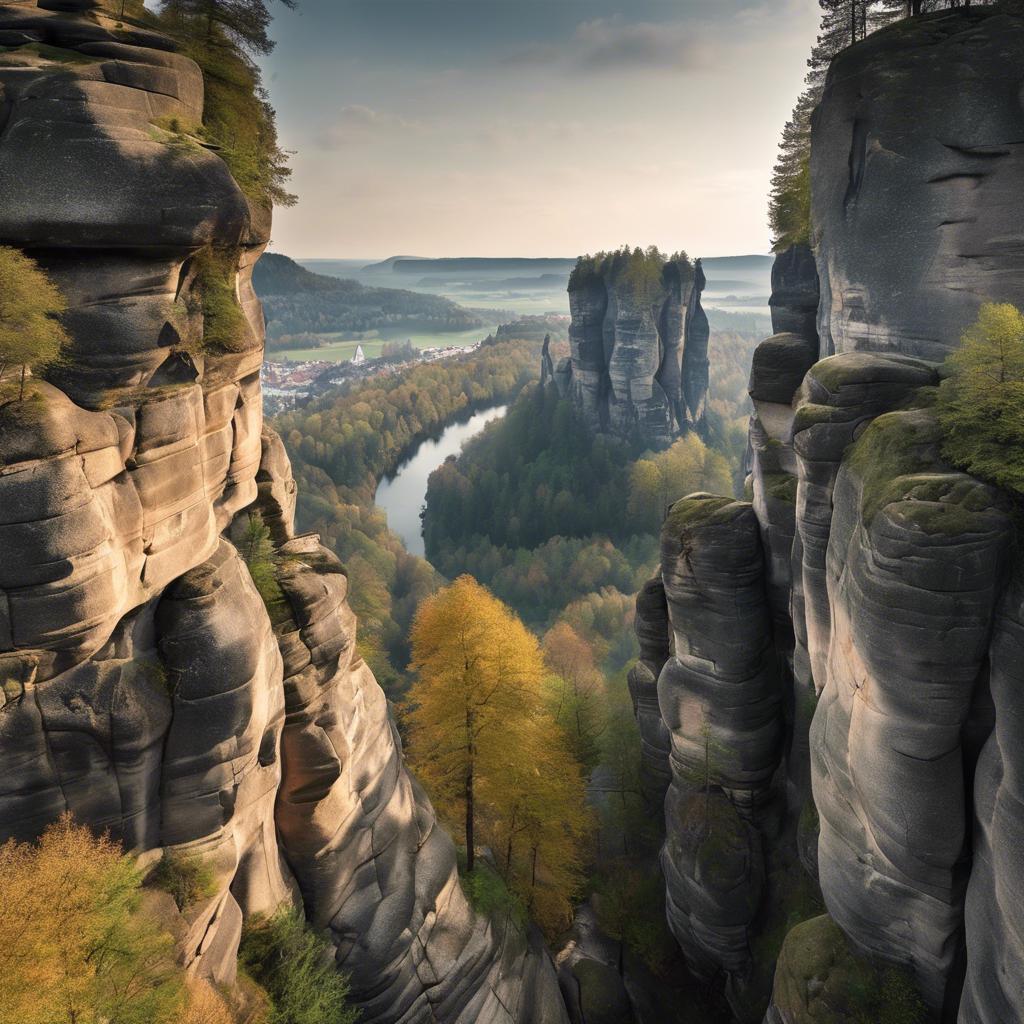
(845, 679)
(146, 685)
(639, 341)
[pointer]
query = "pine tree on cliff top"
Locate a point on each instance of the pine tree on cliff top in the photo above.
(243, 23)
(223, 37)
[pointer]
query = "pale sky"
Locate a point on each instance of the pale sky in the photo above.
(533, 127)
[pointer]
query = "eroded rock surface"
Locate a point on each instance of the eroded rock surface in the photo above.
(916, 205)
(373, 865)
(639, 366)
(721, 702)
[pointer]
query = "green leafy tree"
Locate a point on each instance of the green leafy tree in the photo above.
(31, 334)
(981, 403)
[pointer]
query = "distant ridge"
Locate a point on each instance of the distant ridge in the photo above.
(479, 264)
(389, 263)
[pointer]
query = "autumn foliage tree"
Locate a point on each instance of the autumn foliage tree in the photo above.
(658, 480)
(31, 334)
(576, 691)
(494, 760)
(78, 949)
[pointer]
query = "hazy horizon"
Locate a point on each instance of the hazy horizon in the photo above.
(445, 128)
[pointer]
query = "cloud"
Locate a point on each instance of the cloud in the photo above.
(357, 122)
(615, 45)
(609, 44)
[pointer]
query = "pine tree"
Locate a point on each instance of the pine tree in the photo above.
(224, 37)
(240, 23)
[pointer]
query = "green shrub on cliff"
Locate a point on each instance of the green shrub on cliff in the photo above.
(981, 403)
(295, 967)
(225, 328)
(186, 877)
(30, 306)
(223, 37)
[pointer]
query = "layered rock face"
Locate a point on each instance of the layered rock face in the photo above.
(917, 168)
(639, 366)
(881, 579)
(144, 686)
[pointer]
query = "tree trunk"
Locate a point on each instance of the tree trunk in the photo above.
(508, 849)
(471, 749)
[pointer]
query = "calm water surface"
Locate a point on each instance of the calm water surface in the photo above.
(403, 495)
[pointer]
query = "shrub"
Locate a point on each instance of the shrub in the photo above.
(225, 327)
(295, 967)
(257, 549)
(186, 876)
(489, 894)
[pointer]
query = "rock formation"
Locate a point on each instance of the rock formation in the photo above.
(858, 624)
(920, 193)
(639, 339)
(147, 686)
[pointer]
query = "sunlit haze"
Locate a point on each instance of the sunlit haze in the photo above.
(532, 127)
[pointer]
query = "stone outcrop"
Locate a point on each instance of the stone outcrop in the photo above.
(720, 700)
(639, 340)
(917, 166)
(146, 684)
(652, 630)
(883, 581)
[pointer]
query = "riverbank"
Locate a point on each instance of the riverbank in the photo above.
(401, 495)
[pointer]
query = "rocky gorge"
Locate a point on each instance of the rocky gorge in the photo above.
(828, 686)
(836, 657)
(148, 689)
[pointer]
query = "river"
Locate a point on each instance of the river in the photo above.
(402, 495)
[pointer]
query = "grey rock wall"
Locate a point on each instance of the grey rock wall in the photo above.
(917, 166)
(888, 578)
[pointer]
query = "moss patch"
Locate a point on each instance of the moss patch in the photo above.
(691, 513)
(894, 445)
(781, 487)
(822, 978)
(45, 52)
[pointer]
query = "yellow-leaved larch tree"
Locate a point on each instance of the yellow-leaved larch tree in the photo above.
(483, 741)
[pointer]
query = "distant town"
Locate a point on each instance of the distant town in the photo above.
(287, 382)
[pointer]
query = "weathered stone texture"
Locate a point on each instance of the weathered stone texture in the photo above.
(639, 366)
(917, 168)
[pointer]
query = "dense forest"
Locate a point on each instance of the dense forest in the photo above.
(299, 305)
(341, 446)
